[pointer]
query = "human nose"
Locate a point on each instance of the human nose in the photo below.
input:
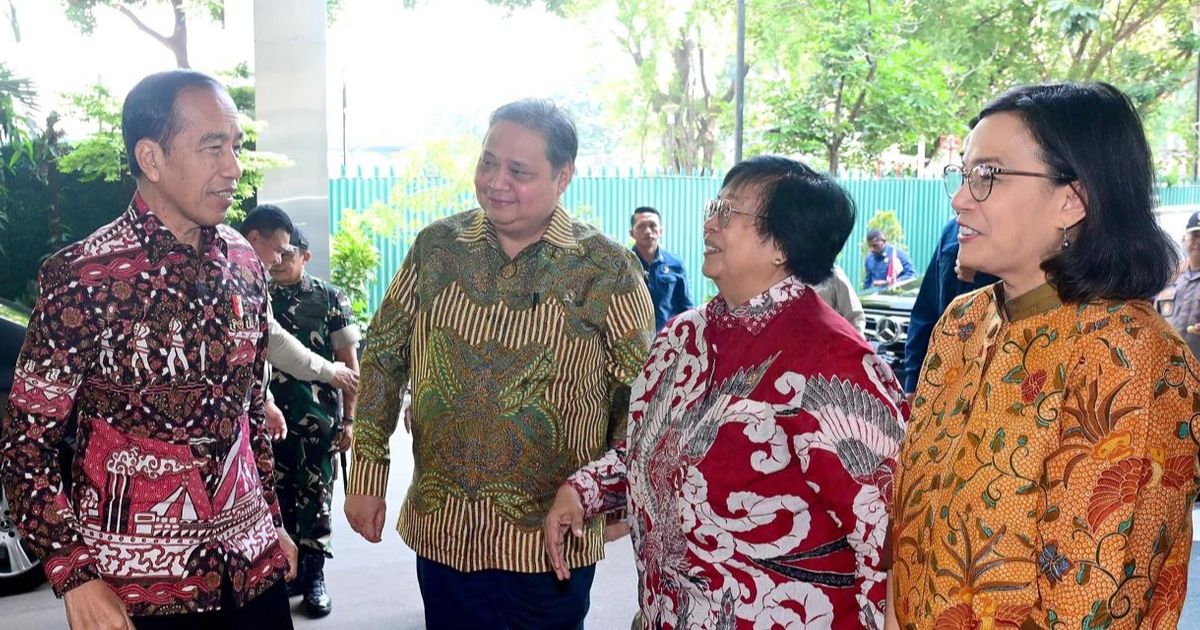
(231, 166)
(963, 200)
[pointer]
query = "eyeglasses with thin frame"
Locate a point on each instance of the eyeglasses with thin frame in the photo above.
(981, 177)
(722, 210)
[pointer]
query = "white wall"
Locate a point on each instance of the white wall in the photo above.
(290, 96)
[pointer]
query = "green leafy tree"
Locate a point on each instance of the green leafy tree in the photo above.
(846, 80)
(101, 156)
(83, 14)
(1146, 48)
(679, 100)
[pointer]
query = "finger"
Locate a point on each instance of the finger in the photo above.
(577, 523)
(377, 525)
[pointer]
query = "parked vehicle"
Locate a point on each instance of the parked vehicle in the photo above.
(887, 313)
(20, 570)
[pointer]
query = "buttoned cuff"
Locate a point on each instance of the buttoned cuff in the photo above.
(367, 478)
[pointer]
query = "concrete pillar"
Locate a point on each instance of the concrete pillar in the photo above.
(289, 80)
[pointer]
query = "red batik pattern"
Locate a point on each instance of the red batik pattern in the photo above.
(151, 356)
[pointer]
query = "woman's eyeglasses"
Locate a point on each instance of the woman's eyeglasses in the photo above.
(722, 210)
(981, 177)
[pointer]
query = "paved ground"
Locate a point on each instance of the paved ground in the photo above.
(375, 586)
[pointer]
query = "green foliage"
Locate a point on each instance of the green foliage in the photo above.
(355, 258)
(101, 155)
(851, 80)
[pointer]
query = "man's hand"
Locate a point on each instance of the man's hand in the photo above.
(344, 378)
(566, 511)
(289, 549)
(408, 418)
(366, 515)
(344, 438)
(276, 425)
(94, 606)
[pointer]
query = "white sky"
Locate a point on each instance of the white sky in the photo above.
(409, 74)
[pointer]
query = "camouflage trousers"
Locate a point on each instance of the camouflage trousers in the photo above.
(304, 476)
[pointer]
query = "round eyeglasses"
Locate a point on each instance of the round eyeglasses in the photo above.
(722, 210)
(980, 178)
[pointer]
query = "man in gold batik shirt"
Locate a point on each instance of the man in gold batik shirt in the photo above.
(521, 330)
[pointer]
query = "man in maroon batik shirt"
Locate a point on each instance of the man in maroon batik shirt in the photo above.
(147, 345)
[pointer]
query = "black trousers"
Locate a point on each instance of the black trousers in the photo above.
(502, 600)
(268, 611)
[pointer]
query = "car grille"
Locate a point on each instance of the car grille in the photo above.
(887, 326)
(887, 331)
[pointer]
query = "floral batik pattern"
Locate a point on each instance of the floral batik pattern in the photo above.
(1049, 468)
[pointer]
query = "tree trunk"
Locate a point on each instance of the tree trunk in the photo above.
(835, 156)
(176, 42)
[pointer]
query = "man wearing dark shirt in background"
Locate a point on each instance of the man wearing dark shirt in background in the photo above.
(943, 282)
(149, 342)
(885, 264)
(665, 277)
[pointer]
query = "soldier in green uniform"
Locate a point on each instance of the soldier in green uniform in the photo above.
(318, 420)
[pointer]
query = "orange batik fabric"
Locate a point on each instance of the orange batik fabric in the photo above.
(1049, 469)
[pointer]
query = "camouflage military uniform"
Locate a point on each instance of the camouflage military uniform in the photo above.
(320, 316)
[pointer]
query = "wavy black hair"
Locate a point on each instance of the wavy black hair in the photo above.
(1092, 133)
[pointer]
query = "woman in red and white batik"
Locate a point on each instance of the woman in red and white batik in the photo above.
(763, 431)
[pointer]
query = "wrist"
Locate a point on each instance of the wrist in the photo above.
(347, 420)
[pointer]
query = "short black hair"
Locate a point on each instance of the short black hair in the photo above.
(807, 213)
(543, 116)
(150, 112)
(875, 233)
(266, 219)
(1092, 134)
(643, 210)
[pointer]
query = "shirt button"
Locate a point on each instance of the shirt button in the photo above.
(509, 270)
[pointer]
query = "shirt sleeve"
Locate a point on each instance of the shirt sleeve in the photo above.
(287, 354)
(260, 442)
(1114, 533)
(629, 326)
(860, 502)
(384, 375)
(343, 331)
(925, 313)
(59, 350)
(906, 266)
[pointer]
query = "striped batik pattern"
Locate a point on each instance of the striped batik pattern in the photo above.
(471, 329)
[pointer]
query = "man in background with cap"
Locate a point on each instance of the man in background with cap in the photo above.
(269, 230)
(319, 422)
(1184, 311)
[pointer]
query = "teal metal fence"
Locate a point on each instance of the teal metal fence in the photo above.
(607, 197)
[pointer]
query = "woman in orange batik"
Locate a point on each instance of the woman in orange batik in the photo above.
(1049, 468)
